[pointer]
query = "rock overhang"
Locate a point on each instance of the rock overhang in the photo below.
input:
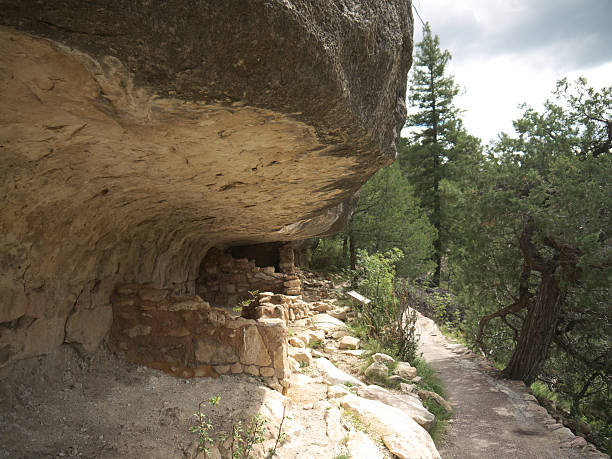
(136, 135)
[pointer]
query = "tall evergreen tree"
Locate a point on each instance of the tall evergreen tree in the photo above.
(437, 133)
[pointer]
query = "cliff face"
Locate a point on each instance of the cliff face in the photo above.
(136, 136)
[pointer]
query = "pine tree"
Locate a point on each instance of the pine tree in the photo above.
(438, 132)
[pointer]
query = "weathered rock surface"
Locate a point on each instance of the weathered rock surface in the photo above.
(383, 358)
(361, 446)
(348, 342)
(333, 375)
(376, 371)
(425, 395)
(136, 136)
(401, 434)
(327, 323)
(408, 405)
(405, 370)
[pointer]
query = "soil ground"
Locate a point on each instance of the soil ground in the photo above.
(106, 407)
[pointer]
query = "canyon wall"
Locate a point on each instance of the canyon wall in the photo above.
(137, 135)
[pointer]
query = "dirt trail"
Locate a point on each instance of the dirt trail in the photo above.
(494, 419)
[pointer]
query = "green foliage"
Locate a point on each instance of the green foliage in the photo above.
(246, 303)
(429, 378)
(328, 255)
(203, 426)
(388, 216)
(439, 149)
(385, 319)
(316, 344)
(245, 437)
(538, 208)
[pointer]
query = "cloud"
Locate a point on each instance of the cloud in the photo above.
(564, 34)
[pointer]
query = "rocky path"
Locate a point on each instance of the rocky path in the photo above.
(494, 418)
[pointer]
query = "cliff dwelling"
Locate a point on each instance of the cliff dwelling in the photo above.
(157, 173)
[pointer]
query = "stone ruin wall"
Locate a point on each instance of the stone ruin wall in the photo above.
(227, 281)
(186, 337)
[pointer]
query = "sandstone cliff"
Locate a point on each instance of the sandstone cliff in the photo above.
(136, 135)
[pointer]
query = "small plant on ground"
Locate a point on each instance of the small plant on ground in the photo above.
(280, 437)
(245, 437)
(203, 426)
(316, 344)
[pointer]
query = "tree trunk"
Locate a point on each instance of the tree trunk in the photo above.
(352, 252)
(437, 223)
(537, 333)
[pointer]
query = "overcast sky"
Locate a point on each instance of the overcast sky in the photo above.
(506, 52)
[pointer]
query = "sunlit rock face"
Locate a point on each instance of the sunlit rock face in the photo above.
(136, 135)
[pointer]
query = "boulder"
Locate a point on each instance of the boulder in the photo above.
(335, 430)
(339, 334)
(327, 323)
(301, 355)
(425, 394)
(316, 335)
(349, 342)
(404, 370)
(333, 375)
(337, 391)
(377, 371)
(412, 407)
(383, 358)
(400, 433)
(339, 314)
(296, 341)
(407, 388)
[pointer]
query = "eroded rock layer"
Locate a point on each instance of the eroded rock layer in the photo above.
(134, 136)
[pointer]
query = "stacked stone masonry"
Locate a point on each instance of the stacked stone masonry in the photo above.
(276, 306)
(186, 337)
(227, 281)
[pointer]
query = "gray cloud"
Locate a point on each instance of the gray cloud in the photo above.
(566, 34)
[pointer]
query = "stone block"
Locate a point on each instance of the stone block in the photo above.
(251, 370)
(209, 351)
(253, 351)
(296, 342)
(236, 368)
(266, 372)
(348, 342)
